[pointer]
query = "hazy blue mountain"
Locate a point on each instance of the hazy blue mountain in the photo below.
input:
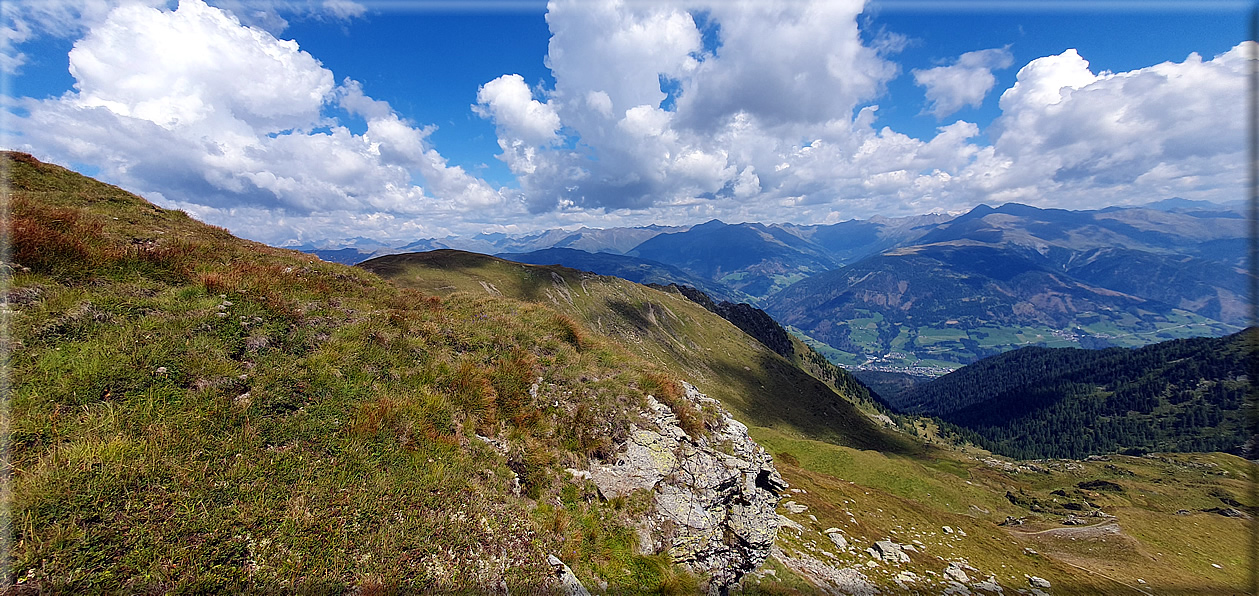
(345, 256)
(1189, 205)
(856, 239)
(750, 257)
(613, 240)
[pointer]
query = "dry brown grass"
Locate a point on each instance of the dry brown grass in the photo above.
(671, 394)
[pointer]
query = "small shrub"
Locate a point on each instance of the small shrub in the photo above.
(473, 394)
(512, 378)
(530, 462)
(52, 240)
(671, 394)
(571, 332)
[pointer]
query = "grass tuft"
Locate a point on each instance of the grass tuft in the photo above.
(690, 418)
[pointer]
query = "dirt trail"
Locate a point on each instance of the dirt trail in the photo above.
(1106, 528)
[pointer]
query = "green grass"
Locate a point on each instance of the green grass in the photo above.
(688, 342)
(906, 499)
(195, 413)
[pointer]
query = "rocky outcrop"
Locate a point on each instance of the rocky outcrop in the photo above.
(715, 495)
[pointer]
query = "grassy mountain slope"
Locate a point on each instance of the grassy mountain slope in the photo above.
(1151, 254)
(1172, 531)
(192, 412)
(1212, 289)
(877, 494)
(1181, 395)
(758, 386)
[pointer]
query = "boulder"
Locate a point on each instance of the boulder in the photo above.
(1038, 582)
(989, 585)
(956, 573)
(891, 552)
(716, 495)
(795, 507)
(837, 538)
(569, 584)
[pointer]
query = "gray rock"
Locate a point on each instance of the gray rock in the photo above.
(956, 573)
(716, 496)
(891, 552)
(795, 507)
(786, 522)
(569, 584)
(955, 587)
(837, 538)
(830, 579)
(1038, 582)
(989, 585)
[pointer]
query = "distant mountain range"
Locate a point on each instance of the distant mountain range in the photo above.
(997, 279)
(932, 292)
(611, 240)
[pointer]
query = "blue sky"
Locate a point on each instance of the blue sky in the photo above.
(323, 120)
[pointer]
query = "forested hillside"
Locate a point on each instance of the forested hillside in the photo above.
(1180, 395)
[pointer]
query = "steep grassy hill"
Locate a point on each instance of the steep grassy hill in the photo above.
(628, 268)
(759, 386)
(872, 495)
(195, 413)
(1180, 395)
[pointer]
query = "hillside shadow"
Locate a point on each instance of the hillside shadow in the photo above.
(777, 394)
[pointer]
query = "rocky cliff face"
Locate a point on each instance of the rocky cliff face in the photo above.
(715, 495)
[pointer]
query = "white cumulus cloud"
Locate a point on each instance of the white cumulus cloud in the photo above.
(965, 83)
(24, 20)
(1101, 138)
(768, 112)
(509, 101)
(193, 108)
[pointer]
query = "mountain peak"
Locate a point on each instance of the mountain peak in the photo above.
(710, 225)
